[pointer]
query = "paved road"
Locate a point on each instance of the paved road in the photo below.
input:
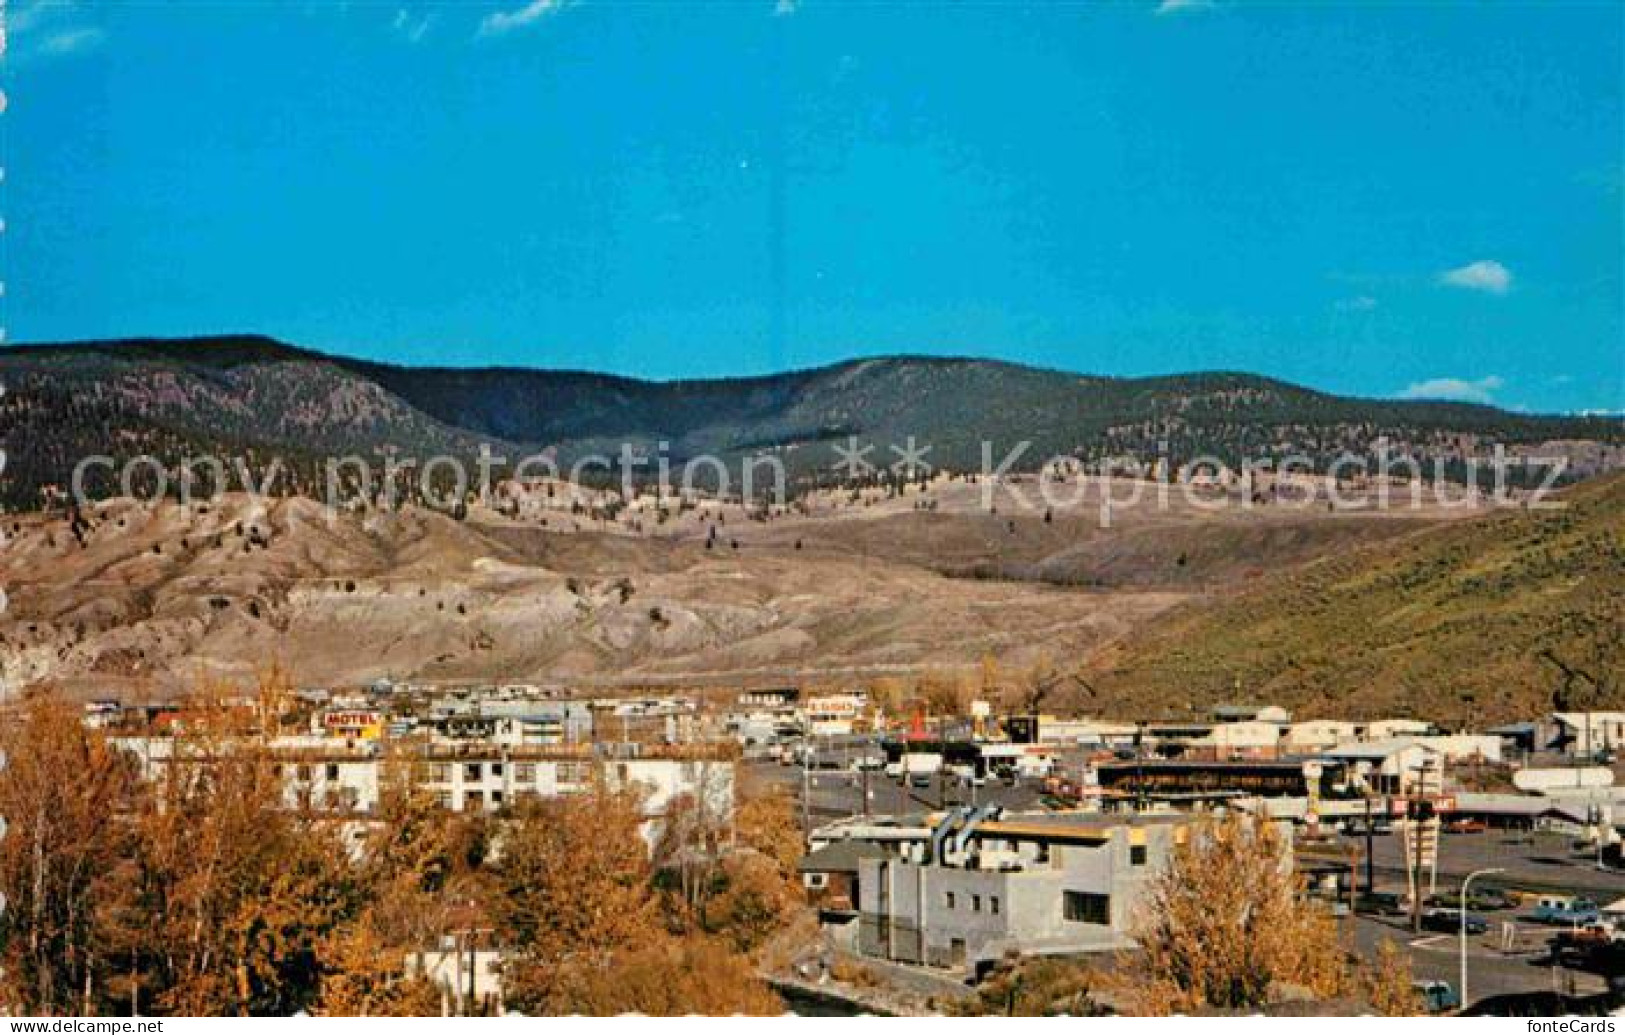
(1490, 972)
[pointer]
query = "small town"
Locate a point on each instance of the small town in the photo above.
(939, 848)
(773, 509)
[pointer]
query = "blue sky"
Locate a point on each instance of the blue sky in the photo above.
(1368, 198)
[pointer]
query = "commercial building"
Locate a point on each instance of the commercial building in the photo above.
(962, 889)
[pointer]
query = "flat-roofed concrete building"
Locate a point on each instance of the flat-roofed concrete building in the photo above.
(972, 885)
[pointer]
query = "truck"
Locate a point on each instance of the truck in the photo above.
(1437, 996)
(920, 766)
(1566, 910)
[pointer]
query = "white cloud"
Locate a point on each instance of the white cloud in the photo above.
(408, 28)
(72, 41)
(27, 17)
(1167, 7)
(784, 8)
(498, 22)
(1483, 275)
(48, 29)
(1455, 389)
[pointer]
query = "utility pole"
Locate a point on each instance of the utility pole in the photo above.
(806, 796)
(1370, 849)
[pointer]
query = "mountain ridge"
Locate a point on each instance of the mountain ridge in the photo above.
(274, 347)
(255, 395)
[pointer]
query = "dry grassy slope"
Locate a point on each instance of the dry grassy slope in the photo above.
(154, 600)
(1448, 623)
(161, 597)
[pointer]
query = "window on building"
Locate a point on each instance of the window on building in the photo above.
(471, 771)
(573, 772)
(950, 898)
(976, 903)
(993, 904)
(1086, 908)
(474, 801)
(443, 799)
(439, 772)
(333, 771)
(525, 772)
(496, 799)
(1136, 855)
(304, 774)
(496, 768)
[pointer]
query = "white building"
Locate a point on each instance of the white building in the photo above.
(1383, 766)
(1388, 729)
(1257, 737)
(1583, 734)
(1465, 747)
(1315, 735)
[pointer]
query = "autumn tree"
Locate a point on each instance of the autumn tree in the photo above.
(417, 865)
(1041, 986)
(570, 911)
(692, 836)
(239, 891)
(579, 905)
(889, 694)
(366, 975)
(1386, 983)
(1225, 925)
(668, 978)
(945, 693)
(60, 788)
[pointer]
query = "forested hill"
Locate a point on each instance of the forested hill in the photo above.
(256, 397)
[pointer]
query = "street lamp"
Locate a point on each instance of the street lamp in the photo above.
(1466, 882)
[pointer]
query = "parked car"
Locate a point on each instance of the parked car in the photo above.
(1479, 900)
(1437, 996)
(1465, 825)
(1379, 828)
(1566, 910)
(1450, 921)
(1381, 903)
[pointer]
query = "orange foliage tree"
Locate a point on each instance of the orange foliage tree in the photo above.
(59, 791)
(1226, 925)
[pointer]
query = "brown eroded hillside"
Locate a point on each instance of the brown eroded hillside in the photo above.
(841, 586)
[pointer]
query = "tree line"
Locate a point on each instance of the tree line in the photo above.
(203, 893)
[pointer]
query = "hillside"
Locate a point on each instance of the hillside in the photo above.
(845, 585)
(255, 397)
(147, 600)
(1492, 619)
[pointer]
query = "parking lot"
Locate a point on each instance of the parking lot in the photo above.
(839, 793)
(1509, 962)
(1524, 971)
(1512, 957)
